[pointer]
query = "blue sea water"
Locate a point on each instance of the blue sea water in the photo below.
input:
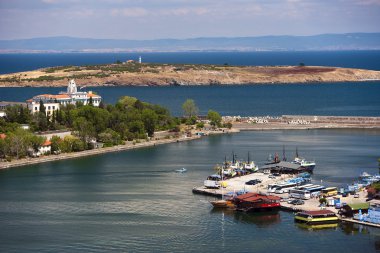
(134, 201)
(355, 99)
(359, 99)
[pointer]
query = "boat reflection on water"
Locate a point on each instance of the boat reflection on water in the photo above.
(260, 219)
(306, 226)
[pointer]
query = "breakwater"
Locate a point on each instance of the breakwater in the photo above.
(302, 122)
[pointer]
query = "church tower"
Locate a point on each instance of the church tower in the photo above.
(72, 87)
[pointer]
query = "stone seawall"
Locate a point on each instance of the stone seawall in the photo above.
(302, 122)
(332, 119)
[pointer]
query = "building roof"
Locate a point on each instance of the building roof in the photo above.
(62, 96)
(282, 164)
(46, 143)
(92, 95)
(318, 212)
(253, 197)
(357, 206)
(3, 136)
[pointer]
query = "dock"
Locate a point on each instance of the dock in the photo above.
(237, 184)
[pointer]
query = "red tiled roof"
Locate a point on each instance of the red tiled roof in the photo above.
(47, 143)
(253, 196)
(3, 136)
(92, 95)
(61, 96)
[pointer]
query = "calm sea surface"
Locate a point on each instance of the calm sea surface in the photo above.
(134, 201)
(316, 99)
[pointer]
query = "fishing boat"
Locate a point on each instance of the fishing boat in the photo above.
(183, 170)
(272, 160)
(316, 217)
(253, 202)
(309, 165)
(222, 203)
(250, 165)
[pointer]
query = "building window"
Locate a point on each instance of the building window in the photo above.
(35, 108)
(53, 107)
(48, 107)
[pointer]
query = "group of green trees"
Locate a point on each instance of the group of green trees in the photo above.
(191, 111)
(129, 119)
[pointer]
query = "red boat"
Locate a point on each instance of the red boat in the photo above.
(253, 202)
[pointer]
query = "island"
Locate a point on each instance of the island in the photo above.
(133, 73)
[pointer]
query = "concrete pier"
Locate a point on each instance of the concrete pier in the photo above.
(237, 184)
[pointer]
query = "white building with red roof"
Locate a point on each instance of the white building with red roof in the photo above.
(71, 96)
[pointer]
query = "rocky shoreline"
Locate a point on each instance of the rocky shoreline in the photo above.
(135, 74)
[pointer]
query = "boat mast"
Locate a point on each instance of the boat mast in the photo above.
(248, 158)
(283, 153)
(296, 152)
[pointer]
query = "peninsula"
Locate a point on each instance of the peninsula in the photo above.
(145, 74)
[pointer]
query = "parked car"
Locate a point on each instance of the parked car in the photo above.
(253, 182)
(271, 176)
(356, 195)
(296, 202)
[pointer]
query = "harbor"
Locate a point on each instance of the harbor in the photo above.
(299, 197)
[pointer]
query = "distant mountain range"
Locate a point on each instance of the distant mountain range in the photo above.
(348, 41)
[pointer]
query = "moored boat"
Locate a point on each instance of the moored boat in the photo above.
(253, 202)
(316, 217)
(222, 203)
(309, 165)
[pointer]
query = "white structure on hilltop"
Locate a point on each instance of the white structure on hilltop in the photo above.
(140, 59)
(72, 96)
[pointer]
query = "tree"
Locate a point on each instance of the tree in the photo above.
(90, 102)
(189, 108)
(110, 137)
(85, 129)
(214, 117)
(42, 107)
(138, 105)
(200, 125)
(55, 143)
(150, 121)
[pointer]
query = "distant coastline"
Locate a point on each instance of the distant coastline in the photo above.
(133, 73)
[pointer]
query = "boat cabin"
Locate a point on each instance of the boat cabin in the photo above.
(316, 217)
(252, 201)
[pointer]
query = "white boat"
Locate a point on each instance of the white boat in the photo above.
(183, 170)
(302, 162)
(365, 175)
(212, 181)
(250, 165)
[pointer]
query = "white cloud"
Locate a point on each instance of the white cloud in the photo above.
(130, 12)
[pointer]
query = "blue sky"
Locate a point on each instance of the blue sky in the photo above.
(155, 19)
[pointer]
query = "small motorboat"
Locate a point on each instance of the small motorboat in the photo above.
(222, 203)
(183, 170)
